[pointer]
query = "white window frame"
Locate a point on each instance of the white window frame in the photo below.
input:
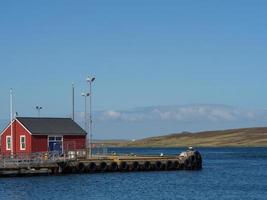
(8, 137)
(20, 143)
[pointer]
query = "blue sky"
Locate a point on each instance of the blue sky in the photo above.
(143, 53)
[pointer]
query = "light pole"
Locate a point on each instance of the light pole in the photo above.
(85, 95)
(39, 108)
(90, 80)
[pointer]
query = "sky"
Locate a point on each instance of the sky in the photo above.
(151, 59)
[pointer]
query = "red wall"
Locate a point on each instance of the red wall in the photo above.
(39, 143)
(18, 131)
(74, 142)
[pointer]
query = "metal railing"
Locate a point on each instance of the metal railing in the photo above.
(26, 159)
(17, 160)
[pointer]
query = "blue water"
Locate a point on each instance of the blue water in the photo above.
(228, 173)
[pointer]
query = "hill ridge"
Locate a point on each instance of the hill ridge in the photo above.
(243, 137)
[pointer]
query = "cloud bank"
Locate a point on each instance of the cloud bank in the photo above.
(157, 120)
(187, 113)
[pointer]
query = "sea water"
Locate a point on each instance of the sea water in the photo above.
(228, 173)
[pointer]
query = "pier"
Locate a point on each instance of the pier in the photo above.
(52, 163)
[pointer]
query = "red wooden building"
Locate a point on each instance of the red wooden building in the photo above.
(41, 135)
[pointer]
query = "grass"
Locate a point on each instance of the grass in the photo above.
(246, 137)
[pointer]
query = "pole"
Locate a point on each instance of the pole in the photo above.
(38, 108)
(85, 113)
(73, 101)
(90, 122)
(90, 81)
(11, 120)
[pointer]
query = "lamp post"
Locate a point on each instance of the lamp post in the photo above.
(39, 108)
(90, 80)
(85, 95)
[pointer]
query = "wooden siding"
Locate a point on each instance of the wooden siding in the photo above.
(72, 142)
(39, 143)
(18, 131)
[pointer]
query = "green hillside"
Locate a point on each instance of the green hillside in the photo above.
(247, 137)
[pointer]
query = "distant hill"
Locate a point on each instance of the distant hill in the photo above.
(109, 143)
(246, 137)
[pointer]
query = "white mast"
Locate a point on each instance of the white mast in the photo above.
(73, 102)
(11, 120)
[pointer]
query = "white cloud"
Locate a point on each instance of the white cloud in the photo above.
(110, 114)
(182, 113)
(158, 120)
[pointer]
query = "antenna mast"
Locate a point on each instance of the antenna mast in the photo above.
(73, 101)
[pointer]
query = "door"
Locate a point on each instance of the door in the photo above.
(55, 144)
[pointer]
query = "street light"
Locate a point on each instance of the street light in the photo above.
(90, 80)
(85, 95)
(39, 108)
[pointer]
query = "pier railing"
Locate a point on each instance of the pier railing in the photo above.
(17, 160)
(26, 159)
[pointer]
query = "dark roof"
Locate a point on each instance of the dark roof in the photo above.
(51, 126)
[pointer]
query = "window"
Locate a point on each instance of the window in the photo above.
(22, 142)
(55, 143)
(8, 142)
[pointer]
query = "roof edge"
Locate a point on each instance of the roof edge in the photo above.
(44, 118)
